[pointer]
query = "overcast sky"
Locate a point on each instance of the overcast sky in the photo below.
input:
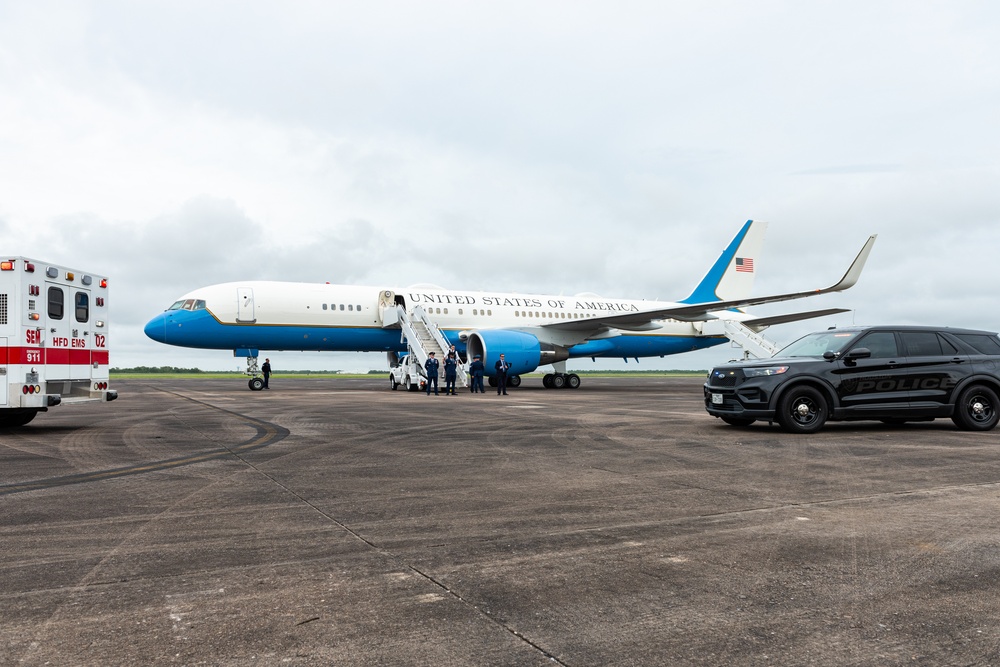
(565, 147)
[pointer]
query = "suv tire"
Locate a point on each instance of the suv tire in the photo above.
(802, 409)
(976, 409)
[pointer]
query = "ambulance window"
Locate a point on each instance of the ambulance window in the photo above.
(177, 305)
(56, 302)
(82, 307)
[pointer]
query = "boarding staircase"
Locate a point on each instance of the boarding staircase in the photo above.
(753, 343)
(423, 336)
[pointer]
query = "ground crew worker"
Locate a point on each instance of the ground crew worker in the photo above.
(266, 370)
(450, 372)
(432, 365)
(477, 368)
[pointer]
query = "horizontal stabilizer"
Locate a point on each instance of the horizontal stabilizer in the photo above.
(761, 322)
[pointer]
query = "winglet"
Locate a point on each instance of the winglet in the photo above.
(854, 272)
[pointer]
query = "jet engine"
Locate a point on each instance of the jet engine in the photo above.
(523, 351)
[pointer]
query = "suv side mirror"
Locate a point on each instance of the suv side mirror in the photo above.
(858, 353)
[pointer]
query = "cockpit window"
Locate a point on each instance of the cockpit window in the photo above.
(189, 304)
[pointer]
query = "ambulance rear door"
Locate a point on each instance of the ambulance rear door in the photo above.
(58, 309)
(81, 335)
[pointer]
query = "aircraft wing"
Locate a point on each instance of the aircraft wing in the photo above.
(709, 310)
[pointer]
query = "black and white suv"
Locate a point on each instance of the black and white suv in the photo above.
(889, 373)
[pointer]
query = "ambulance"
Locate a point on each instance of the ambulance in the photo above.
(53, 338)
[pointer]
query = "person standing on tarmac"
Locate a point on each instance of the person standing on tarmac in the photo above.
(477, 369)
(266, 370)
(502, 367)
(450, 373)
(431, 366)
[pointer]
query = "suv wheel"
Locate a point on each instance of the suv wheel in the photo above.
(976, 409)
(802, 410)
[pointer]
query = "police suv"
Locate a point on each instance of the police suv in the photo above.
(893, 374)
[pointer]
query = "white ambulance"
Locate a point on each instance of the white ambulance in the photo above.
(53, 338)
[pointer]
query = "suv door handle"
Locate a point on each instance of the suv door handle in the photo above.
(957, 360)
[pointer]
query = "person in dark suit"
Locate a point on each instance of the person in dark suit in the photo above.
(501, 367)
(450, 373)
(266, 370)
(431, 366)
(477, 369)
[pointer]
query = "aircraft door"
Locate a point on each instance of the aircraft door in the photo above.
(58, 310)
(244, 305)
(3, 371)
(387, 307)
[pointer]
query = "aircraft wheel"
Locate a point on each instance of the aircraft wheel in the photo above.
(573, 381)
(558, 381)
(392, 382)
(514, 381)
(547, 381)
(256, 384)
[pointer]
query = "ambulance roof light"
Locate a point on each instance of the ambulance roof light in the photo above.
(86, 280)
(52, 272)
(104, 282)
(7, 265)
(70, 275)
(29, 267)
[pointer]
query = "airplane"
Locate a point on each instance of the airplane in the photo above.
(532, 330)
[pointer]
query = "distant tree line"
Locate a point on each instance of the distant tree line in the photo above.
(156, 369)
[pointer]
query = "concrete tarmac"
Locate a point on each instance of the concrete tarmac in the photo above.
(336, 522)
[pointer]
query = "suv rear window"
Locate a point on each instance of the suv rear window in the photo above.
(926, 344)
(981, 342)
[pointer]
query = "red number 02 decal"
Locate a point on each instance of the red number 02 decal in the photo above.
(99, 340)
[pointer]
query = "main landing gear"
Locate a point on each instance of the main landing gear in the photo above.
(256, 382)
(512, 381)
(561, 381)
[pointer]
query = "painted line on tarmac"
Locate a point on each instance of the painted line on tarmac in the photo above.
(267, 434)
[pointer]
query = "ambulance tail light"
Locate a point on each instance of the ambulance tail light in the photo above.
(7, 265)
(31, 389)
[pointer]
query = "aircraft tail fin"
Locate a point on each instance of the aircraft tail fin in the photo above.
(731, 277)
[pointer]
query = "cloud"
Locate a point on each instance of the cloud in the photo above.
(561, 147)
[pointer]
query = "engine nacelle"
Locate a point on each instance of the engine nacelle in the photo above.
(523, 351)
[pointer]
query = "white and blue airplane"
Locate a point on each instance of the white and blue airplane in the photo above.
(532, 330)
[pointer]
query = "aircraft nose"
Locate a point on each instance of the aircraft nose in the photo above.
(156, 328)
